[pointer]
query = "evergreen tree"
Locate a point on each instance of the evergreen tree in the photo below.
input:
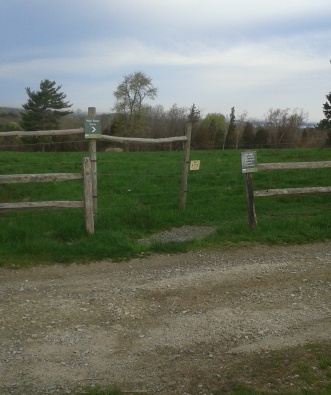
(327, 107)
(194, 115)
(248, 136)
(262, 138)
(230, 141)
(326, 122)
(44, 108)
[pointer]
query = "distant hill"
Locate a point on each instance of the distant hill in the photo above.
(2, 108)
(10, 110)
(261, 122)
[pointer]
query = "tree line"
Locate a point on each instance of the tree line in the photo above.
(49, 109)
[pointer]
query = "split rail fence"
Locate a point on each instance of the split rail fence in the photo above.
(87, 203)
(250, 193)
(89, 174)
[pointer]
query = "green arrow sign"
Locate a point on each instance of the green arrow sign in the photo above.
(92, 128)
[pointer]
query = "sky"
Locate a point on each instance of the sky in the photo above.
(253, 55)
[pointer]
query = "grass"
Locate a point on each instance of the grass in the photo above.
(300, 370)
(304, 370)
(238, 391)
(138, 196)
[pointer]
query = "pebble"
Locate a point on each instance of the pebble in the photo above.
(128, 320)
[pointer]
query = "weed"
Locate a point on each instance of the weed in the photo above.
(324, 362)
(97, 390)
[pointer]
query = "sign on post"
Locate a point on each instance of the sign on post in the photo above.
(248, 162)
(92, 128)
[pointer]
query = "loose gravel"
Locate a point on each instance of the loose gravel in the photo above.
(147, 323)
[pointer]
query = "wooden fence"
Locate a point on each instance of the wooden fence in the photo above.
(250, 193)
(186, 154)
(89, 170)
(87, 203)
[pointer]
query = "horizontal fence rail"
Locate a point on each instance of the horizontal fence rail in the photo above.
(46, 177)
(64, 132)
(117, 139)
(41, 205)
(293, 165)
(103, 137)
(87, 203)
(292, 191)
(250, 193)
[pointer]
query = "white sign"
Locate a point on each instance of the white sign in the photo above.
(195, 165)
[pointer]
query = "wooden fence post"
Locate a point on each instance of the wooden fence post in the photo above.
(185, 167)
(93, 155)
(88, 195)
(250, 200)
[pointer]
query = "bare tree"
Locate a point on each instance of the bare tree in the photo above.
(284, 127)
(177, 119)
(131, 93)
(162, 123)
(131, 112)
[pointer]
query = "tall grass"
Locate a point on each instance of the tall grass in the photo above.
(138, 195)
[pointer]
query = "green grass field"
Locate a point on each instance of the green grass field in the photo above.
(138, 195)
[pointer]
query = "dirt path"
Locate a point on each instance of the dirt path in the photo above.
(152, 323)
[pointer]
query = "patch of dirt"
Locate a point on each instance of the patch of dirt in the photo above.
(163, 324)
(184, 233)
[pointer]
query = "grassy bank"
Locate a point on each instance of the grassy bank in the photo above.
(138, 196)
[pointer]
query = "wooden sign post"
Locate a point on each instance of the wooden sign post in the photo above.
(185, 167)
(92, 131)
(248, 167)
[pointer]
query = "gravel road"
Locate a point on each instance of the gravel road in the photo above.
(147, 324)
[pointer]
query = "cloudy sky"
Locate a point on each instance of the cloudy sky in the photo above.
(249, 54)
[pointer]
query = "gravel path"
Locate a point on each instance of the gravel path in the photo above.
(146, 324)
